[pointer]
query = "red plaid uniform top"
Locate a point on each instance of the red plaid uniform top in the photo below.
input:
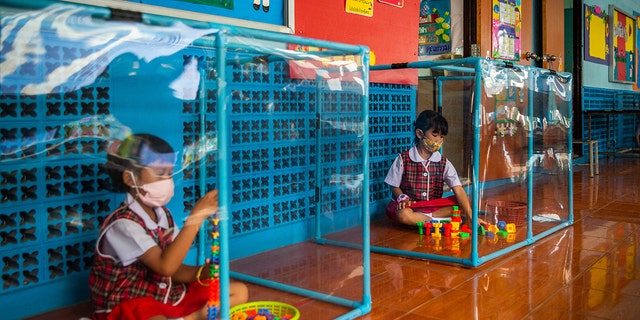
(111, 283)
(415, 182)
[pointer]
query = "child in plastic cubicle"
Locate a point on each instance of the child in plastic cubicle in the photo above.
(417, 177)
(137, 272)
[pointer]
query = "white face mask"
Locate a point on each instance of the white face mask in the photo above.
(158, 193)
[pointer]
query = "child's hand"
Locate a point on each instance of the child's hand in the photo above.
(206, 206)
(481, 222)
(405, 204)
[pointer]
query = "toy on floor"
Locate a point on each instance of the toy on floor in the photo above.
(455, 229)
(262, 314)
(264, 310)
(213, 303)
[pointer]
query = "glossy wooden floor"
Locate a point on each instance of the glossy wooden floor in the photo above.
(590, 270)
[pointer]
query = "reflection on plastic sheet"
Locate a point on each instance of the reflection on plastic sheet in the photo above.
(102, 127)
(348, 180)
(30, 39)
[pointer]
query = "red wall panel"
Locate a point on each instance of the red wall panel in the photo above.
(392, 32)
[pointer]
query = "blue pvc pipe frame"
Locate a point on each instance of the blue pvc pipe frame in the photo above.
(220, 42)
(361, 307)
(462, 65)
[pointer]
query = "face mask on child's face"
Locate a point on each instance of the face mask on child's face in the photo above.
(158, 193)
(431, 145)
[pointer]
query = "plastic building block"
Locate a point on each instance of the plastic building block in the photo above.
(447, 229)
(511, 228)
(481, 230)
(436, 228)
(501, 225)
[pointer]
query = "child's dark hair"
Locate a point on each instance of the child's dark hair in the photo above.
(429, 119)
(134, 153)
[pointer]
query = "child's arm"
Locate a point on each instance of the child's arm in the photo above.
(403, 200)
(187, 274)
(463, 201)
(465, 205)
(395, 193)
(167, 262)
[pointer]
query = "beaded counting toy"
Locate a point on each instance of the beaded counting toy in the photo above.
(213, 303)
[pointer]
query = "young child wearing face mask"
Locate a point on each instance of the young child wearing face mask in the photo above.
(137, 272)
(417, 177)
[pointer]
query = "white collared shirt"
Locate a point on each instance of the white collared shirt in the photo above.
(394, 176)
(126, 240)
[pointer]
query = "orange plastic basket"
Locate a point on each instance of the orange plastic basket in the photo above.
(507, 211)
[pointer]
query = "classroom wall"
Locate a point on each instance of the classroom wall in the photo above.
(391, 33)
(597, 75)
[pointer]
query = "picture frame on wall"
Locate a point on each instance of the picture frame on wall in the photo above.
(596, 35)
(622, 61)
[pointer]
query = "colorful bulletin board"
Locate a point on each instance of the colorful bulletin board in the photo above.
(506, 28)
(596, 35)
(387, 41)
(622, 67)
(434, 35)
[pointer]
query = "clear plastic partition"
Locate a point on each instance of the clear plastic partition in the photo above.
(275, 123)
(509, 140)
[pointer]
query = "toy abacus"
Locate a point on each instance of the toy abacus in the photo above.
(213, 303)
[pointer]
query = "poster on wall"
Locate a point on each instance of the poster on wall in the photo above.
(623, 43)
(506, 29)
(637, 85)
(395, 3)
(272, 12)
(434, 30)
(596, 35)
(361, 7)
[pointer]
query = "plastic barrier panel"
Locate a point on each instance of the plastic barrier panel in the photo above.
(276, 123)
(508, 139)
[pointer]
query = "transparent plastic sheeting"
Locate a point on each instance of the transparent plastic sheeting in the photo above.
(510, 141)
(275, 122)
(525, 142)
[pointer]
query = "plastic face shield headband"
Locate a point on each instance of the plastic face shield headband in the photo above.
(148, 158)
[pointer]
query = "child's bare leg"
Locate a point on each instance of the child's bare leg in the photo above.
(238, 293)
(409, 217)
(444, 212)
(201, 314)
